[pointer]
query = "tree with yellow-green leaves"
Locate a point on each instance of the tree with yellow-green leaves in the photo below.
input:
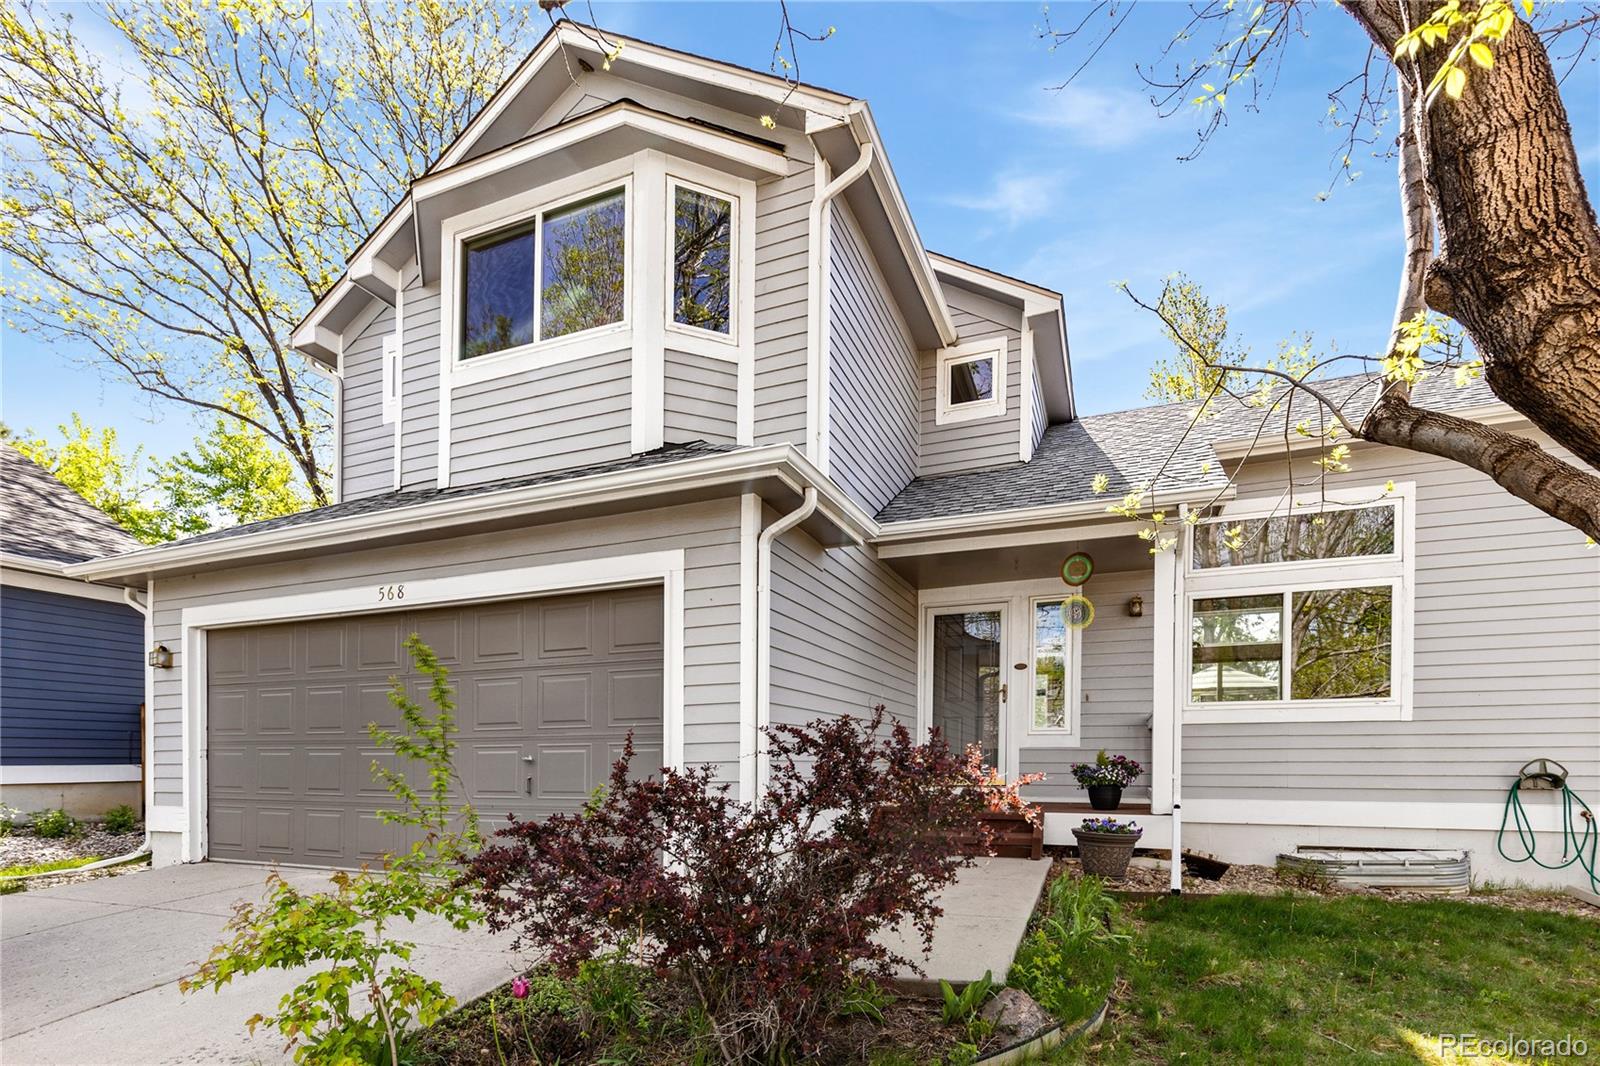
(175, 204)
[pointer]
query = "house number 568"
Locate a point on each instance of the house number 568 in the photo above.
(391, 592)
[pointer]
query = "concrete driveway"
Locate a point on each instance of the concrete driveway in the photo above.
(89, 972)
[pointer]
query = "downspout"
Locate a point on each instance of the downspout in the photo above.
(817, 285)
(1175, 884)
(808, 506)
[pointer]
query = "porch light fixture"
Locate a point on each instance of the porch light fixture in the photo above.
(1136, 607)
(160, 657)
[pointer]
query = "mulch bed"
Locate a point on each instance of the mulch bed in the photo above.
(21, 848)
(1152, 877)
(474, 1034)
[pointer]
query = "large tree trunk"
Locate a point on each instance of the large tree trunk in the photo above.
(1519, 248)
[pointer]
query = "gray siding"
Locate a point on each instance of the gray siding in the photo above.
(571, 414)
(419, 396)
(873, 387)
(782, 225)
(1041, 419)
(844, 633)
(366, 442)
(702, 399)
(708, 533)
(1116, 692)
(1507, 661)
(71, 680)
(983, 442)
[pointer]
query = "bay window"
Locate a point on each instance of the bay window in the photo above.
(1303, 614)
(558, 273)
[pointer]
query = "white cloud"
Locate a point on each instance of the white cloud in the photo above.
(1015, 197)
(1095, 118)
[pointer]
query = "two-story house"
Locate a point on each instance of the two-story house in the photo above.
(656, 419)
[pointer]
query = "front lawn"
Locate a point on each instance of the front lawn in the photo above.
(1296, 978)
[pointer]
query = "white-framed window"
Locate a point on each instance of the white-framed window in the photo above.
(972, 381)
(703, 249)
(1301, 610)
(1051, 668)
(557, 273)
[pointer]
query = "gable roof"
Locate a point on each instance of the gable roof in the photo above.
(1132, 448)
(838, 125)
(44, 521)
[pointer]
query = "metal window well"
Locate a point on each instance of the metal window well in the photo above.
(1447, 872)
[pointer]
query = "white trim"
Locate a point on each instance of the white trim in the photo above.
(524, 208)
(664, 568)
(927, 608)
(1025, 403)
(1363, 814)
(647, 300)
(740, 196)
(780, 462)
(749, 640)
(67, 775)
(1396, 571)
(818, 244)
(1017, 598)
(338, 425)
(674, 64)
(1004, 521)
(1165, 723)
(992, 348)
(48, 581)
(1034, 299)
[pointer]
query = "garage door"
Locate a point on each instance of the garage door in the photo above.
(547, 691)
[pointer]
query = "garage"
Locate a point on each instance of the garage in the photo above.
(547, 692)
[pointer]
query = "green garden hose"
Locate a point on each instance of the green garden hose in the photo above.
(1574, 848)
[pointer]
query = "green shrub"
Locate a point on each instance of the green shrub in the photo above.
(612, 995)
(121, 819)
(355, 1008)
(1069, 959)
(959, 1007)
(55, 824)
(8, 819)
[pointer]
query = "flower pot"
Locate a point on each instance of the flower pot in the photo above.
(1106, 854)
(1105, 797)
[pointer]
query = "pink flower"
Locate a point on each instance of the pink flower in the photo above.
(519, 987)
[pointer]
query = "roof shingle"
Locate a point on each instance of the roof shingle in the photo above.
(43, 519)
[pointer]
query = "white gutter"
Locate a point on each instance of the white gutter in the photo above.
(1048, 514)
(781, 462)
(764, 628)
(817, 283)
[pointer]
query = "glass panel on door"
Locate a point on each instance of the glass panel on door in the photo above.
(967, 686)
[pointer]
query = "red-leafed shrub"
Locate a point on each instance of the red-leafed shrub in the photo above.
(767, 910)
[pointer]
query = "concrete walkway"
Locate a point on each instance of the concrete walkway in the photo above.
(986, 913)
(89, 972)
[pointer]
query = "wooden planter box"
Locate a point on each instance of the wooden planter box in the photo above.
(1013, 837)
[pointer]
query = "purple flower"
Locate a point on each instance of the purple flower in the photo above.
(519, 987)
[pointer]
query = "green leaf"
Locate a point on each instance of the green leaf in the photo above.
(1481, 54)
(1455, 82)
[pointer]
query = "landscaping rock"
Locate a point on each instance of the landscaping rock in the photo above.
(1015, 1015)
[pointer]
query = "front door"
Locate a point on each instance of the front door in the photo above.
(968, 678)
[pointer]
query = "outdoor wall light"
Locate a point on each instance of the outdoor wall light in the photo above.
(160, 657)
(1136, 607)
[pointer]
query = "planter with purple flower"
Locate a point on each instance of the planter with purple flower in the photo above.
(1105, 778)
(1105, 845)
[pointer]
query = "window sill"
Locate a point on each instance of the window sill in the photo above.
(692, 341)
(1280, 712)
(601, 341)
(945, 416)
(1050, 738)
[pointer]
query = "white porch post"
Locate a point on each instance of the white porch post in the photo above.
(1166, 726)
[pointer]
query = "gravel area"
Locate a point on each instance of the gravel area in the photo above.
(21, 848)
(1152, 876)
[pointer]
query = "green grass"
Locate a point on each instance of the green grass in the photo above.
(1291, 979)
(48, 867)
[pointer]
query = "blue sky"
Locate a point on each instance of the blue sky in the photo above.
(1075, 190)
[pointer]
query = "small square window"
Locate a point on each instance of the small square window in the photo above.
(972, 381)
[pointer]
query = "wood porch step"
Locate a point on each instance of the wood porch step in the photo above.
(1129, 807)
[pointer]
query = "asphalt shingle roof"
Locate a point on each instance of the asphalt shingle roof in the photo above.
(40, 518)
(1130, 447)
(413, 497)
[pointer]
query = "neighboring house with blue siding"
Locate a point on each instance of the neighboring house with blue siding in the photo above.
(71, 652)
(762, 457)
